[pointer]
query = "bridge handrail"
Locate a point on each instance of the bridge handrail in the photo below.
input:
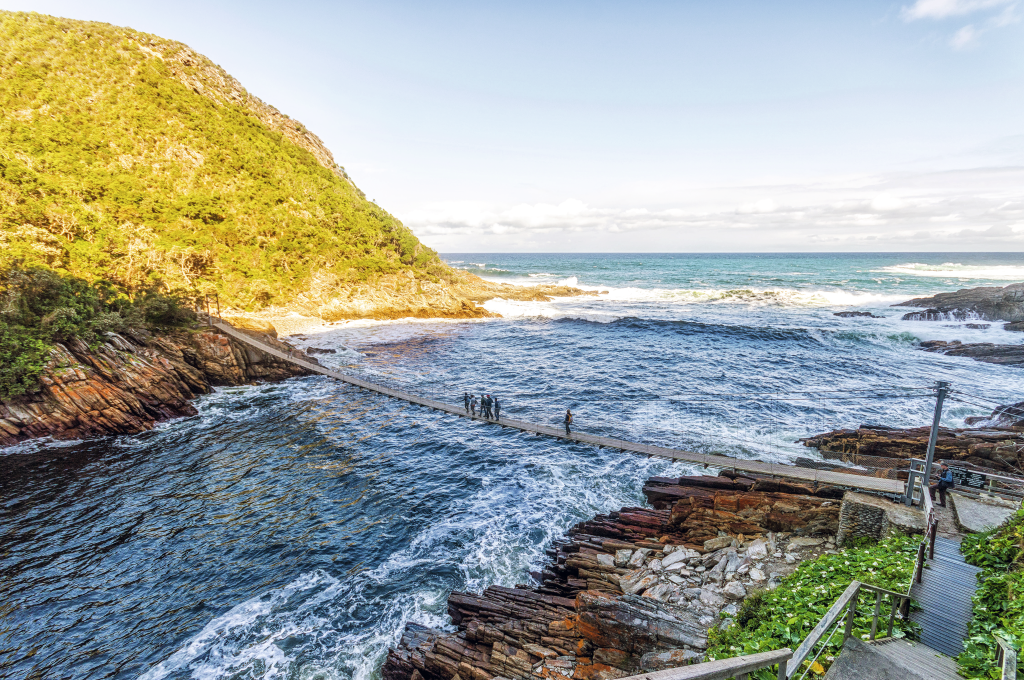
(1006, 659)
(722, 668)
(805, 475)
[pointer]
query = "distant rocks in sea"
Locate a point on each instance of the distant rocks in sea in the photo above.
(972, 304)
(850, 315)
(1009, 355)
(320, 350)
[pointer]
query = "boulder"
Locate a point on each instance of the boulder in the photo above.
(734, 590)
(622, 557)
(637, 560)
(718, 543)
(758, 550)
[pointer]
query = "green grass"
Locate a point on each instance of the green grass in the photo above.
(783, 617)
(999, 601)
(125, 157)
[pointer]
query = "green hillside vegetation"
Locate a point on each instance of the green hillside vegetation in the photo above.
(128, 158)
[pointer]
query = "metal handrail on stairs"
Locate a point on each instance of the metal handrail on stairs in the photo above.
(847, 602)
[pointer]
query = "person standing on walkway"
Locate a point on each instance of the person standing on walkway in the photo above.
(472, 404)
(568, 420)
(497, 409)
(465, 399)
(487, 407)
(945, 482)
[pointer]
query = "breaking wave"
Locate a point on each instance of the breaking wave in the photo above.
(957, 270)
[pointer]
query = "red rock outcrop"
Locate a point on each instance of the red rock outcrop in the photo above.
(129, 383)
(626, 592)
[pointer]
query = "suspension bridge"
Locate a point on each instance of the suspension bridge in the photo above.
(801, 474)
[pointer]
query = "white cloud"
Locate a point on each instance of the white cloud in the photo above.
(943, 9)
(965, 37)
(984, 206)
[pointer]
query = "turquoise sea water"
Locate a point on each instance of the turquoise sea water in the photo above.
(291, 530)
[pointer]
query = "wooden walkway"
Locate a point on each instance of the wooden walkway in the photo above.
(945, 593)
(920, 660)
(806, 475)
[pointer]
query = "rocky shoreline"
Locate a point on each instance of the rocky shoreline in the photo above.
(131, 382)
(631, 591)
(456, 295)
(967, 304)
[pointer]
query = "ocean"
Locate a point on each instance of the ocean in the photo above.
(290, 530)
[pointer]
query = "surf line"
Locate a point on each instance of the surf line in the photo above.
(812, 475)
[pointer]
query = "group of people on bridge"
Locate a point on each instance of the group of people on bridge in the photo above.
(490, 407)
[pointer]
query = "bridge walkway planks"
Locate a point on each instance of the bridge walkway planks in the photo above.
(788, 471)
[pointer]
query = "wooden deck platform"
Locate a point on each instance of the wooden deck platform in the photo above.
(807, 475)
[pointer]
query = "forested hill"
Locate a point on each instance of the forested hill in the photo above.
(128, 157)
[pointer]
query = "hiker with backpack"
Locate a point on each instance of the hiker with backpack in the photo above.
(945, 482)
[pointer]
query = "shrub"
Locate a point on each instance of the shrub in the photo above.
(999, 600)
(783, 617)
(39, 307)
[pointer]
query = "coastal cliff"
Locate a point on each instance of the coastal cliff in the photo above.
(128, 383)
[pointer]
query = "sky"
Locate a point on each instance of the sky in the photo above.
(640, 126)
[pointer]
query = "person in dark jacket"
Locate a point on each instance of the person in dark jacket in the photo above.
(465, 399)
(485, 405)
(568, 420)
(497, 409)
(945, 482)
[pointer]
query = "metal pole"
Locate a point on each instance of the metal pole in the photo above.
(942, 388)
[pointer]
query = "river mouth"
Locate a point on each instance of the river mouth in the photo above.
(290, 530)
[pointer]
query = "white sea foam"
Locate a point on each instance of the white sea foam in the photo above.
(490, 537)
(957, 270)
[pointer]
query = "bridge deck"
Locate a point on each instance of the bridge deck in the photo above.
(650, 450)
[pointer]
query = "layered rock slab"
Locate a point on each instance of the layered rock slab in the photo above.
(129, 383)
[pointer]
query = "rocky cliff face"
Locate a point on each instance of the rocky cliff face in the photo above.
(986, 304)
(626, 592)
(129, 383)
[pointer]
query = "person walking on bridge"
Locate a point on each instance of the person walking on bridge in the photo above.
(472, 404)
(465, 399)
(487, 407)
(945, 482)
(497, 409)
(568, 420)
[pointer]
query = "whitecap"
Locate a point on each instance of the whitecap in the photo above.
(958, 270)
